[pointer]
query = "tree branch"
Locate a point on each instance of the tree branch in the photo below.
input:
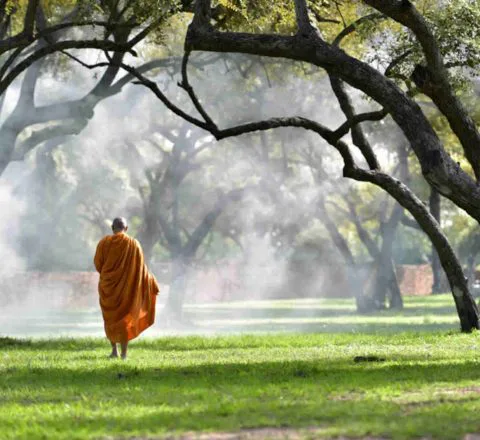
(358, 136)
(438, 167)
(58, 47)
(304, 24)
(353, 26)
(29, 20)
(433, 79)
(357, 119)
(208, 221)
(396, 61)
(21, 41)
(185, 84)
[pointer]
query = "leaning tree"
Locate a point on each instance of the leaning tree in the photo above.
(430, 76)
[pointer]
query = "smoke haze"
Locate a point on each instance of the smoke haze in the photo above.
(57, 204)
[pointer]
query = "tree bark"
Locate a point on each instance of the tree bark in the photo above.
(471, 270)
(341, 244)
(386, 276)
(148, 237)
(435, 210)
(178, 287)
(396, 300)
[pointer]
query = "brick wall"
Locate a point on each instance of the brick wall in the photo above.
(71, 288)
(221, 283)
(415, 279)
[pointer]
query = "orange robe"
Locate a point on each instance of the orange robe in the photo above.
(127, 290)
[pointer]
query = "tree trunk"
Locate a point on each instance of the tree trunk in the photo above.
(383, 277)
(396, 300)
(149, 235)
(353, 278)
(471, 270)
(178, 286)
(466, 308)
(386, 281)
(148, 242)
(8, 139)
(435, 210)
(386, 276)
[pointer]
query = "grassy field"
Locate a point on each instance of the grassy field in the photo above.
(424, 383)
(310, 315)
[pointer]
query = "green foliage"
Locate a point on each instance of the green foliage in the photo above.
(456, 27)
(256, 16)
(279, 17)
(238, 7)
(454, 24)
(147, 9)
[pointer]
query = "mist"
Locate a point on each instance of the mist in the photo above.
(269, 244)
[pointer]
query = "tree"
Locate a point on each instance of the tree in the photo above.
(181, 231)
(58, 32)
(30, 30)
(431, 77)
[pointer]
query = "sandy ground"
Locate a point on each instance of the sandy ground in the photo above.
(312, 433)
(261, 433)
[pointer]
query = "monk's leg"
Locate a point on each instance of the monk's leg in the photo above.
(124, 346)
(114, 353)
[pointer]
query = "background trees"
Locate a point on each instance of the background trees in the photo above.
(182, 189)
(437, 165)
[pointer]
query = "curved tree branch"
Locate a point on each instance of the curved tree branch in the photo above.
(433, 79)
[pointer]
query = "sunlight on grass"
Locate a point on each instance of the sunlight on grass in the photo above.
(298, 315)
(422, 380)
(427, 385)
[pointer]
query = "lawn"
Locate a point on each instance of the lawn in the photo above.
(423, 381)
(310, 315)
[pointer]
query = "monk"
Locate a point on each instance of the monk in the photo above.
(127, 290)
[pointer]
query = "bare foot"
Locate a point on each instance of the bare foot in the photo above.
(114, 353)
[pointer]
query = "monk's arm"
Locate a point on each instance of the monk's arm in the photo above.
(99, 259)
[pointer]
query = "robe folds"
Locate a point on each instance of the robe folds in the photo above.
(127, 289)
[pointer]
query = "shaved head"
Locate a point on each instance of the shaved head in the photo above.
(119, 224)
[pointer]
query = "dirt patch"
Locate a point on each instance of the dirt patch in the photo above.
(352, 395)
(252, 434)
(466, 390)
(268, 434)
(413, 401)
(260, 434)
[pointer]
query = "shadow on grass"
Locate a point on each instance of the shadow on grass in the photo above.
(321, 327)
(339, 375)
(67, 344)
(226, 312)
(234, 395)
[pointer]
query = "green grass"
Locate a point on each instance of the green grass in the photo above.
(428, 384)
(311, 315)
